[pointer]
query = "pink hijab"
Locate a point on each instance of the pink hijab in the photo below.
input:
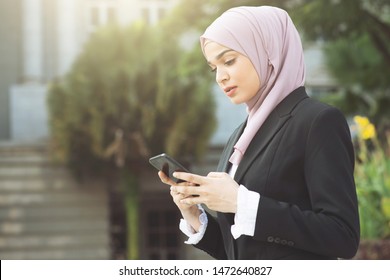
(268, 37)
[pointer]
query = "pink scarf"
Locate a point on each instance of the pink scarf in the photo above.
(268, 37)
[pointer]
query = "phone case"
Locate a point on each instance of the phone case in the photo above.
(168, 165)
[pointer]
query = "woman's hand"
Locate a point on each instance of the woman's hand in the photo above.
(190, 212)
(218, 191)
(177, 196)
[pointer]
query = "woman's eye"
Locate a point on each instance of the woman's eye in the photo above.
(230, 62)
(226, 63)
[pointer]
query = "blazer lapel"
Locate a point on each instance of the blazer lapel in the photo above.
(224, 163)
(271, 126)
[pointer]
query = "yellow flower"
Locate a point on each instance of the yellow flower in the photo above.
(366, 129)
(368, 132)
(361, 121)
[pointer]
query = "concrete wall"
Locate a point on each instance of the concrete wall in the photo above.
(28, 113)
(10, 60)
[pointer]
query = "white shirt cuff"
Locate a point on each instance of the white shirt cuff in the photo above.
(193, 236)
(245, 218)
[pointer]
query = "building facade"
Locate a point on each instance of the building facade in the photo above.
(40, 41)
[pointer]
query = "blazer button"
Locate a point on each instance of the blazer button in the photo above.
(277, 240)
(270, 239)
(290, 243)
(283, 242)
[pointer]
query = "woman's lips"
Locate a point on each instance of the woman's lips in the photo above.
(230, 90)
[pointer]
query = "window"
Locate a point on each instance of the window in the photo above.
(146, 15)
(161, 236)
(111, 15)
(161, 13)
(153, 12)
(101, 12)
(95, 19)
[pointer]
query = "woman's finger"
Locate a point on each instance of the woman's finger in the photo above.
(186, 190)
(189, 177)
(165, 179)
(215, 174)
(190, 200)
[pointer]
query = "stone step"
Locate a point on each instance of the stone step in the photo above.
(41, 184)
(92, 212)
(16, 149)
(58, 254)
(45, 213)
(13, 160)
(18, 171)
(18, 145)
(55, 226)
(48, 199)
(53, 241)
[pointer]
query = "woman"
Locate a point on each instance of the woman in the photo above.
(293, 194)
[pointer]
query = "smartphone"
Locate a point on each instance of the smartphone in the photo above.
(168, 165)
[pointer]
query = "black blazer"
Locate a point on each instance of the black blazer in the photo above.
(301, 161)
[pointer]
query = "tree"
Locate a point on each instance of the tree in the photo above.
(130, 94)
(365, 87)
(357, 37)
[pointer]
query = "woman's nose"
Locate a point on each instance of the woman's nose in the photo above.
(221, 75)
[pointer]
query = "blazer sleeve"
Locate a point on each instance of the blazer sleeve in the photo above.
(212, 241)
(331, 226)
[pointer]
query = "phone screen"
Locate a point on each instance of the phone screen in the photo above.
(168, 165)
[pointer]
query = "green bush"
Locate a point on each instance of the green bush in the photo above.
(132, 93)
(372, 175)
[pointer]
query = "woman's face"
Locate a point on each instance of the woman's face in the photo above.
(234, 72)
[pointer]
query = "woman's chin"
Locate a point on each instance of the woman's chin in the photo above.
(235, 101)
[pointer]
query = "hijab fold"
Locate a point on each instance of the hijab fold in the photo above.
(268, 37)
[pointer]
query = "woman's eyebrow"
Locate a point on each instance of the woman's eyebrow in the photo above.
(221, 54)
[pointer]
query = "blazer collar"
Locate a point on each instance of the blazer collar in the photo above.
(224, 164)
(271, 126)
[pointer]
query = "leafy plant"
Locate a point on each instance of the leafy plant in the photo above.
(372, 175)
(131, 94)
